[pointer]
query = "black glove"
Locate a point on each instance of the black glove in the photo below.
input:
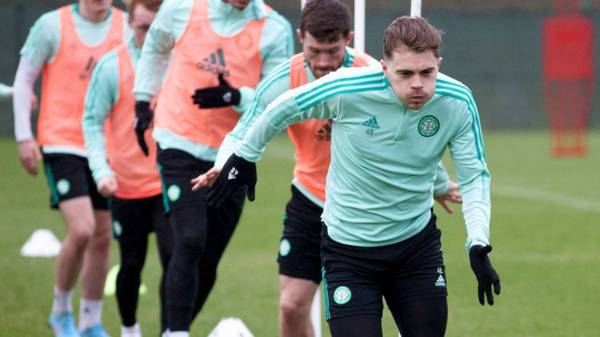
(143, 121)
(237, 173)
(485, 273)
(216, 97)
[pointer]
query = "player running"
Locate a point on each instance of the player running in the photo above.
(65, 45)
(325, 36)
(390, 127)
(120, 169)
(220, 50)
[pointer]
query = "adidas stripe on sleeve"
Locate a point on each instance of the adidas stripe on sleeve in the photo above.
(313, 100)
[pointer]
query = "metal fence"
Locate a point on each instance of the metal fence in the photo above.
(493, 48)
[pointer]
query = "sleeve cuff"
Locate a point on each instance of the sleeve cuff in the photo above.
(22, 137)
(101, 173)
(240, 152)
(143, 97)
(225, 150)
(441, 188)
(246, 96)
(476, 241)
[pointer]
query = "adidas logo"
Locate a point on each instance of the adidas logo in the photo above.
(440, 281)
(214, 63)
(232, 174)
(371, 123)
(86, 72)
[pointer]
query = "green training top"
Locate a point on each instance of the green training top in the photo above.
(277, 83)
(384, 155)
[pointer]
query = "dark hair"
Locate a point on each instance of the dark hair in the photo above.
(151, 5)
(414, 33)
(326, 20)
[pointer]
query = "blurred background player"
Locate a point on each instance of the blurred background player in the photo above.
(65, 45)
(122, 172)
(220, 50)
(325, 37)
(391, 126)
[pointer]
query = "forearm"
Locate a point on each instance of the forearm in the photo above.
(253, 145)
(152, 65)
(233, 138)
(27, 74)
(226, 149)
(100, 98)
(251, 112)
(148, 81)
(476, 210)
(283, 112)
(247, 95)
(95, 145)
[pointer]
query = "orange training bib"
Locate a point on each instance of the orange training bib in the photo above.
(65, 81)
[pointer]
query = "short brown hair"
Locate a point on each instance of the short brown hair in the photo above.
(414, 33)
(326, 20)
(151, 5)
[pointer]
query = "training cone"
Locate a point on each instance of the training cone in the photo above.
(231, 327)
(42, 243)
(110, 285)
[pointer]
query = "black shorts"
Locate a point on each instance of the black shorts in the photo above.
(177, 168)
(356, 278)
(300, 245)
(137, 217)
(69, 177)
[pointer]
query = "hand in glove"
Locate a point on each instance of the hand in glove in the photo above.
(237, 173)
(485, 273)
(216, 97)
(143, 121)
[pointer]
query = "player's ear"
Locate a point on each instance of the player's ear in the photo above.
(349, 38)
(383, 65)
(440, 62)
(300, 35)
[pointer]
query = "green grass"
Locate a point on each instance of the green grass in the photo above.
(545, 233)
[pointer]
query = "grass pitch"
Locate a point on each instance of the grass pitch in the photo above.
(545, 233)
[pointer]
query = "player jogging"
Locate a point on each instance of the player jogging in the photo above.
(325, 35)
(390, 127)
(120, 169)
(220, 50)
(65, 45)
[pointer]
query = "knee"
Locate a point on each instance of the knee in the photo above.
(81, 233)
(129, 273)
(191, 245)
(291, 308)
(131, 266)
(100, 241)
